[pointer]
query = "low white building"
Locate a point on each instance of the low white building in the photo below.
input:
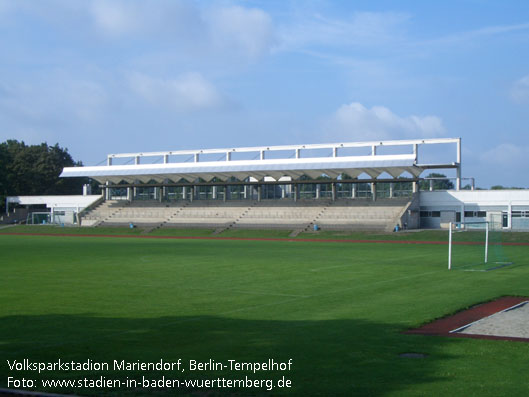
(508, 209)
(61, 209)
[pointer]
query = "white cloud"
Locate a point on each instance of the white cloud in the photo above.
(355, 122)
(188, 92)
(238, 30)
(506, 155)
(246, 30)
(115, 18)
(361, 29)
(520, 90)
(226, 30)
(471, 36)
(53, 100)
(170, 20)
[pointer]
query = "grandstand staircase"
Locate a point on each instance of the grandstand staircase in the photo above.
(413, 204)
(102, 212)
(169, 219)
(232, 224)
(310, 226)
(298, 217)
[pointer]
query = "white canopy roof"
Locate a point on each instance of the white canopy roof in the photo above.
(372, 165)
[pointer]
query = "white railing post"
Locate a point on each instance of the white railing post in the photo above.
(486, 242)
(449, 245)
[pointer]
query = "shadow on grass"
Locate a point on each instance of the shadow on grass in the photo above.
(334, 357)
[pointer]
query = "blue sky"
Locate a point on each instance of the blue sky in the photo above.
(117, 76)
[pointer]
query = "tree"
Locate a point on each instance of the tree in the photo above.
(500, 187)
(35, 169)
(438, 184)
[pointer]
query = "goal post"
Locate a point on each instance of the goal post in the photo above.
(470, 244)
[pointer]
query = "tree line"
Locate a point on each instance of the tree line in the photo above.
(34, 170)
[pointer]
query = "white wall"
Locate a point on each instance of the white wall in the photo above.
(69, 205)
(494, 202)
(476, 197)
(73, 202)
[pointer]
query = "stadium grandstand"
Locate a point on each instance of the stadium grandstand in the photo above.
(341, 186)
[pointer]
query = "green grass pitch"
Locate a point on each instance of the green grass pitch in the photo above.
(337, 310)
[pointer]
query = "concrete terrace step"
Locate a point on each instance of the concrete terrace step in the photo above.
(283, 214)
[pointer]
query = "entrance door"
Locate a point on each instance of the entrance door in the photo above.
(504, 219)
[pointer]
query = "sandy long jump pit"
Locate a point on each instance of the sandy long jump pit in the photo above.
(506, 318)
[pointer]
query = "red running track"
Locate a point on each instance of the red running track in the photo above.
(312, 240)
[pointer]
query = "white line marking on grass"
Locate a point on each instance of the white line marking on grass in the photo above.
(318, 269)
(200, 317)
(266, 293)
(238, 291)
(376, 283)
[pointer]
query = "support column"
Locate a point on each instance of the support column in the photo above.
(333, 191)
(107, 190)
(374, 191)
(245, 193)
(415, 186)
(458, 178)
(509, 216)
(225, 193)
(184, 191)
(353, 193)
(192, 195)
(318, 190)
(296, 190)
(431, 185)
(129, 194)
(391, 189)
(214, 192)
(259, 191)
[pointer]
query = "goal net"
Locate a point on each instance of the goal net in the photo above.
(476, 246)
